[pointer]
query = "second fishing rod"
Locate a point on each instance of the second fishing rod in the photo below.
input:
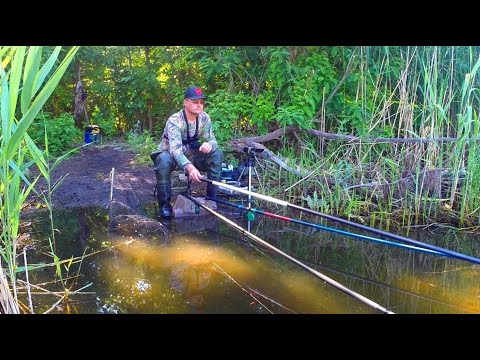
(326, 228)
(400, 238)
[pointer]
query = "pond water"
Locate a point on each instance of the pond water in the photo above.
(209, 267)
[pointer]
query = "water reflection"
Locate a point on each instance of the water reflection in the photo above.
(207, 267)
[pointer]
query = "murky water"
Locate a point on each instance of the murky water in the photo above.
(209, 267)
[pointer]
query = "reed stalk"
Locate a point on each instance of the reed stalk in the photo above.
(411, 92)
(24, 89)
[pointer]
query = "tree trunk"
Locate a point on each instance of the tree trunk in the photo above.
(150, 116)
(80, 111)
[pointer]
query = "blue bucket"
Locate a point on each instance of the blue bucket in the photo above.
(88, 137)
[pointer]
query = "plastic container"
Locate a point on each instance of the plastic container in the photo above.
(93, 133)
(88, 137)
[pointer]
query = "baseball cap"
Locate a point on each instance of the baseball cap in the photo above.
(194, 92)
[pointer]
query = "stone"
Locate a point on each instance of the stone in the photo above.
(184, 207)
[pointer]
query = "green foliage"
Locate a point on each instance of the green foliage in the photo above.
(352, 118)
(309, 78)
(279, 71)
(236, 68)
(143, 144)
(109, 125)
(230, 113)
(366, 91)
(61, 132)
(122, 83)
(263, 112)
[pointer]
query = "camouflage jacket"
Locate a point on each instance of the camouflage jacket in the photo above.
(176, 130)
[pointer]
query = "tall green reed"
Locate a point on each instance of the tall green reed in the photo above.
(411, 92)
(467, 147)
(25, 82)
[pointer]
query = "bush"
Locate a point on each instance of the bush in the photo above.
(61, 132)
(143, 144)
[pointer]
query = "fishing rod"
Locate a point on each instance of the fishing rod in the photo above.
(292, 259)
(326, 228)
(358, 278)
(387, 286)
(384, 285)
(347, 222)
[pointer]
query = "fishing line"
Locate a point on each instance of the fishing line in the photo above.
(347, 222)
(377, 283)
(224, 273)
(299, 263)
(354, 277)
(326, 228)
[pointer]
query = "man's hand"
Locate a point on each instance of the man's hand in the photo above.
(193, 173)
(205, 148)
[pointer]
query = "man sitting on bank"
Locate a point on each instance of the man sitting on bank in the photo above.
(187, 143)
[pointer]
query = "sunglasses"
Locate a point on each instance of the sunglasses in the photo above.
(197, 101)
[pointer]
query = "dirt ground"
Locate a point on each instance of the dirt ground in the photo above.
(128, 198)
(88, 179)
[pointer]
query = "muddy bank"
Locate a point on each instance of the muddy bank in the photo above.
(106, 176)
(87, 179)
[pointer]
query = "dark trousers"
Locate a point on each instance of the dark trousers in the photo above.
(164, 164)
(211, 163)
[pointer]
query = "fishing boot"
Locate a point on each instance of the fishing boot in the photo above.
(163, 165)
(212, 191)
(214, 164)
(164, 195)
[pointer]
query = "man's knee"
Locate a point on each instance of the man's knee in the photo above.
(164, 159)
(154, 155)
(215, 164)
(163, 164)
(216, 157)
